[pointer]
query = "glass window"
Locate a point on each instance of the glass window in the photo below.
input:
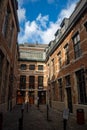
(60, 89)
(1, 65)
(11, 34)
(67, 60)
(40, 81)
(31, 82)
(32, 67)
(59, 60)
(22, 82)
(6, 21)
(85, 24)
(23, 66)
(82, 96)
(67, 78)
(77, 48)
(40, 67)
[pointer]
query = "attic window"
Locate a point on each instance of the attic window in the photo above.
(85, 24)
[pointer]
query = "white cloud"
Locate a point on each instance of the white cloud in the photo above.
(67, 12)
(21, 14)
(51, 1)
(42, 20)
(43, 30)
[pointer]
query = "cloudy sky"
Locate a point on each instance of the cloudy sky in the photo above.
(40, 19)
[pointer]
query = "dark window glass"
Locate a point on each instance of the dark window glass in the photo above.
(60, 89)
(31, 82)
(59, 60)
(23, 67)
(6, 21)
(67, 60)
(5, 80)
(82, 96)
(40, 81)
(32, 67)
(53, 67)
(77, 48)
(67, 78)
(54, 90)
(40, 67)
(11, 34)
(85, 24)
(22, 82)
(1, 65)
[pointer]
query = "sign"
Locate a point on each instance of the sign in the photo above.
(66, 114)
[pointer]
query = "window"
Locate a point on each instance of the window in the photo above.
(32, 67)
(23, 67)
(6, 21)
(31, 82)
(53, 67)
(40, 67)
(54, 90)
(5, 80)
(68, 83)
(67, 60)
(59, 60)
(40, 82)
(85, 24)
(11, 34)
(82, 96)
(1, 66)
(60, 89)
(77, 49)
(22, 82)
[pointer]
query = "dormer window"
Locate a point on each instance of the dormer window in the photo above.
(64, 25)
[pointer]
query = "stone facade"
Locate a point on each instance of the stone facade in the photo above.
(8, 53)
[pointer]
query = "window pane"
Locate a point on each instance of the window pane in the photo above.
(23, 67)
(40, 82)
(40, 67)
(22, 82)
(77, 48)
(31, 82)
(67, 78)
(82, 98)
(32, 67)
(60, 89)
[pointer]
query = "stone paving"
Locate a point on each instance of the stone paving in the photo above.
(36, 119)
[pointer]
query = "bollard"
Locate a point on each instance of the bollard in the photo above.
(64, 124)
(22, 109)
(27, 106)
(22, 113)
(47, 112)
(1, 120)
(38, 104)
(20, 124)
(65, 118)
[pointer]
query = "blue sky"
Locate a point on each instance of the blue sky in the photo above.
(40, 19)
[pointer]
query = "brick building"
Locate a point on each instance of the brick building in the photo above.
(9, 29)
(32, 81)
(66, 61)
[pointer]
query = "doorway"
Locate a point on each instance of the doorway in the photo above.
(69, 99)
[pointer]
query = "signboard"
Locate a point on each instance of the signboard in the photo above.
(66, 114)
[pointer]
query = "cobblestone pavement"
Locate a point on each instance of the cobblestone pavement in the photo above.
(36, 119)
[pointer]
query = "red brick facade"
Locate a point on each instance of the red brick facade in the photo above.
(8, 53)
(67, 63)
(32, 69)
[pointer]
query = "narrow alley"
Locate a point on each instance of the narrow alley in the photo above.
(35, 118)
